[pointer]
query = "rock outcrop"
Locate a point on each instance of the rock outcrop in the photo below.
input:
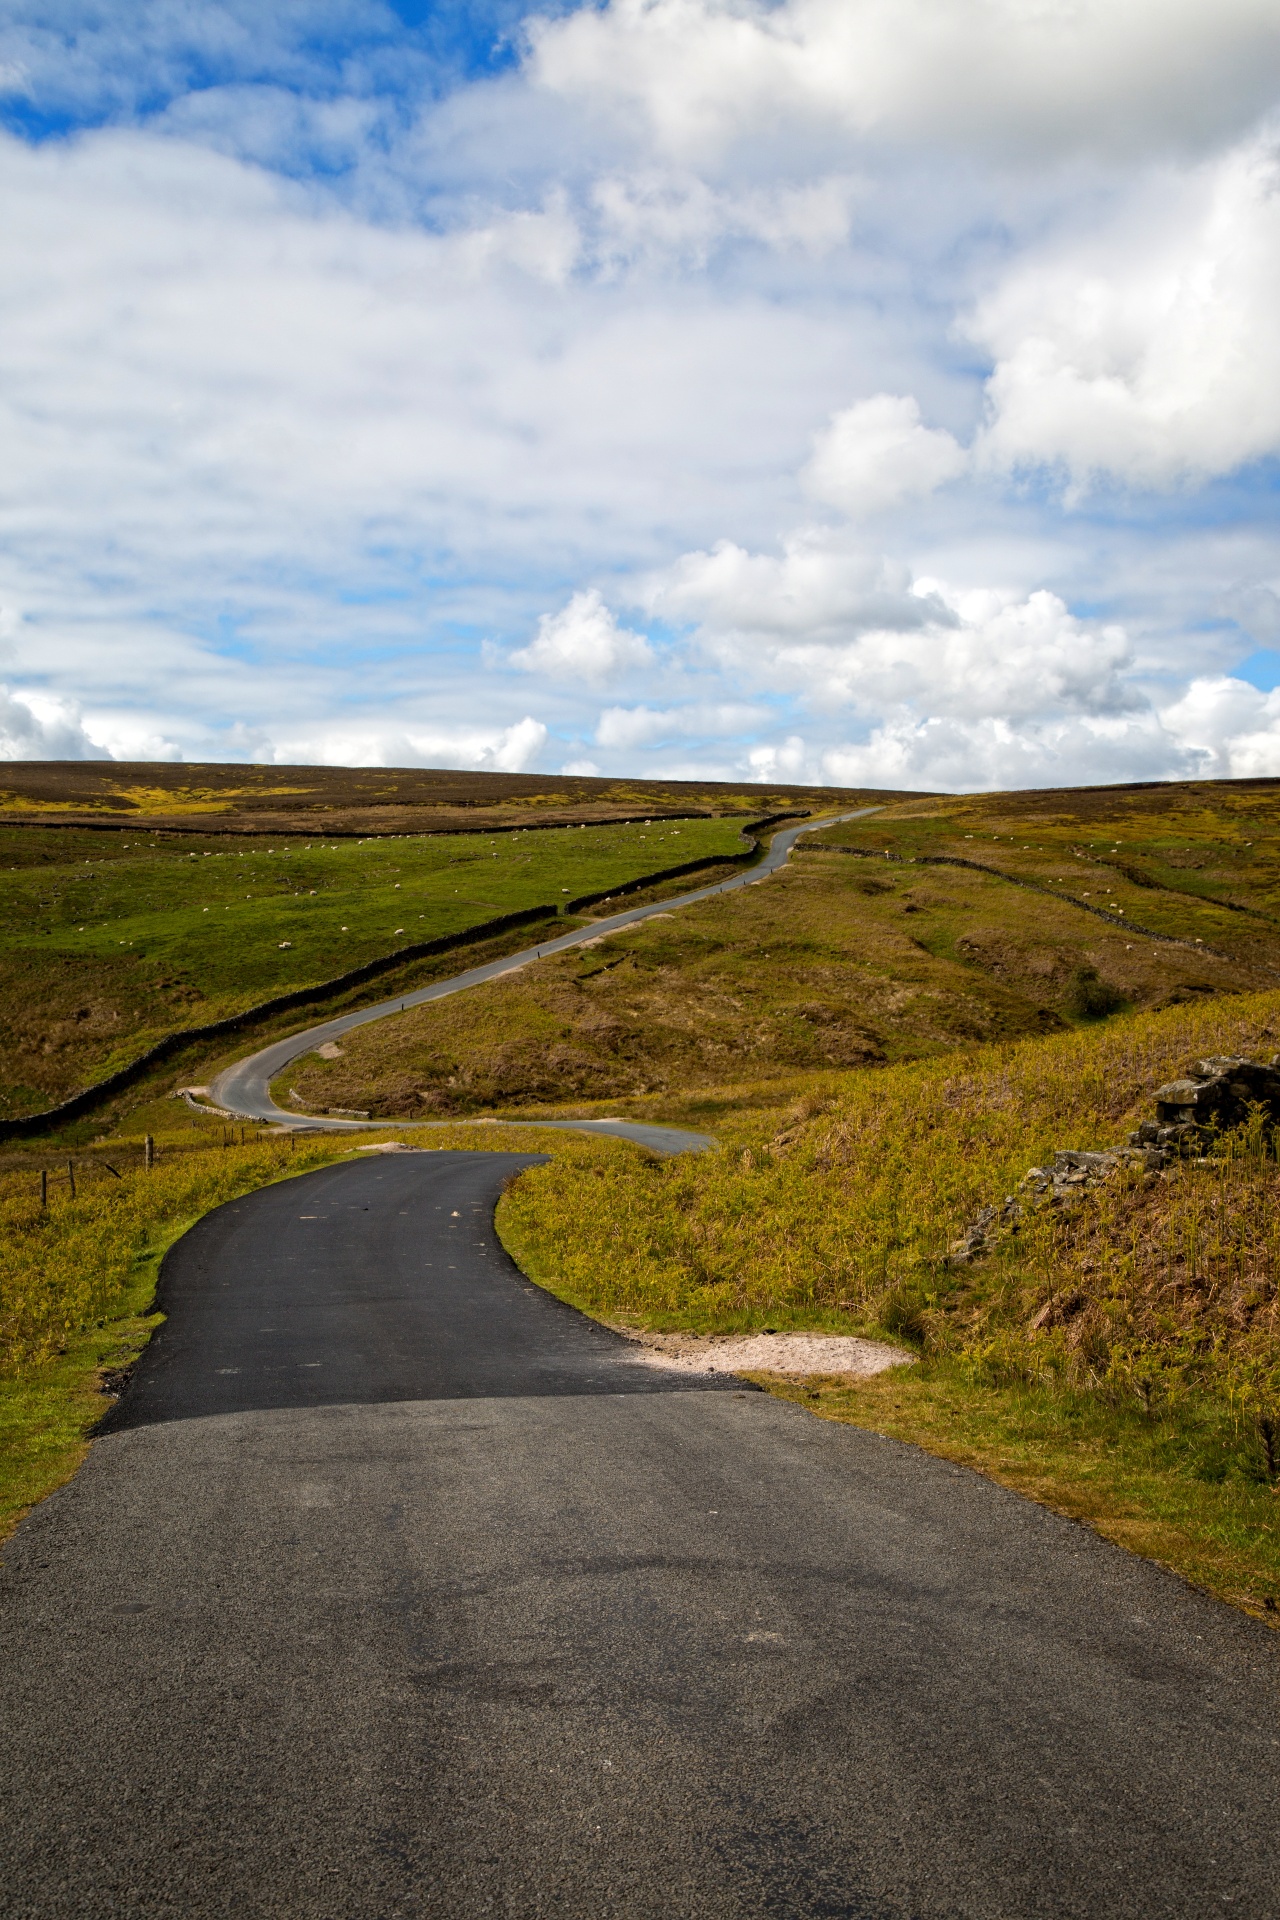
(1211, 1097)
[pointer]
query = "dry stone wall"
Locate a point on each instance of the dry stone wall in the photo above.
(1212, 1096)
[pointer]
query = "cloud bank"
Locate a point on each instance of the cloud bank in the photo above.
(866, 389)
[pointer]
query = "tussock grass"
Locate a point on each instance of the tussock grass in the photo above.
(872, 1177)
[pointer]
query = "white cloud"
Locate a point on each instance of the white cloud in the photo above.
(701, 75)
(248, 432)
(877, 454)
(33, 727)
(1148, 348)
(487, 749)
(848, 628)
(942, 754)
(662, 214)
(624, 728)
(583, 642)
(820, 590)
(1231, 726)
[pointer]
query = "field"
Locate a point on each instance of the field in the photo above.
(1198, 863)
(108, 941)
(883, 1038)
(848, 962)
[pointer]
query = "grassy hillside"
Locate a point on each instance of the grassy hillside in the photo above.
(884, 1038)
(108, 941)
(1198, 862)
(838, 962)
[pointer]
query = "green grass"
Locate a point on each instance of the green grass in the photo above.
(108, 941)
(1179, 860)
(48, 1411)
(736, 1003)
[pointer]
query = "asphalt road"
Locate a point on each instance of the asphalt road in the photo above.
(245, 1089)
(400, 1590)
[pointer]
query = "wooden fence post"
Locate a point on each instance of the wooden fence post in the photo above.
(148, 1152)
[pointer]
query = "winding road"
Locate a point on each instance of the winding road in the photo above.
(245, 1089)
(399, 1589)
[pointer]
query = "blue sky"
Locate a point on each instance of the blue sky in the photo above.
(883, 391)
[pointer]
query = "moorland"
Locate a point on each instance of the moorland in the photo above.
(1041, 913)
(119, 795)
(109, 941)
(884, 1038)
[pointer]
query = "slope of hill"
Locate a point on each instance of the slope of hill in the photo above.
(848, 961)
(109, 941)
(1119, 1358)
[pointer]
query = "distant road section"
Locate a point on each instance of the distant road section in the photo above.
(245, 1089)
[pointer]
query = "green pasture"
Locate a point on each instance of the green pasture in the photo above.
(108, 941)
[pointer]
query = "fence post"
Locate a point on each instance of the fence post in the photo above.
(148, 1152)
(44, 1186)
(71, 1177)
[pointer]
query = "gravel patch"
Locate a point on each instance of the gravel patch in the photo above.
(794, 1353)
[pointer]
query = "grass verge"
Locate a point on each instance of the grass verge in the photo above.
(48, 1411)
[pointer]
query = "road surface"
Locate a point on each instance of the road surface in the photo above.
(401, 1590)
(245, 1089)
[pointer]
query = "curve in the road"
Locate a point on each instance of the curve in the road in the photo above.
(245, 1088)
(365, 1285)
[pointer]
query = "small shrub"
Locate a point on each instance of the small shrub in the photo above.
(1091, 997)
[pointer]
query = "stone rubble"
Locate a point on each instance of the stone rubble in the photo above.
(1213, 1095)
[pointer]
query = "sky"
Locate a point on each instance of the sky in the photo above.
(873, 392)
